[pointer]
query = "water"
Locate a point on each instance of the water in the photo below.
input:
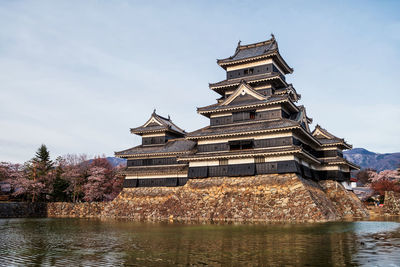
(92, 242)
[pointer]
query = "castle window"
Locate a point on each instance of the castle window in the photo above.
(247, 144)
(248, 71)
(234, 145)
(243, 116)
(241, 144)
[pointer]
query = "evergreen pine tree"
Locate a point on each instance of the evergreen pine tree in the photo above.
(42, 160)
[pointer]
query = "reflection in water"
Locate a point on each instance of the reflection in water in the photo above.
(81, 242)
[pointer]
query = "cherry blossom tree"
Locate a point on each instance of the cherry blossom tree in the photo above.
(384, 175)
(72, 177)
(387, 180)
(7, 169)
(117, 182)
(75, 171)
(10, 174)
(22, 184)
(383, 185)
(40, 173)
(363, 176)
(104, 182)
(97, 184)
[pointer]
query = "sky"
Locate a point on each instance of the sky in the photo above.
(77, 75)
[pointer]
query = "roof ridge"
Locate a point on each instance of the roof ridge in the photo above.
(240, 47)
(162, 117)
(168, 122)
(326, 132)
(266, 42)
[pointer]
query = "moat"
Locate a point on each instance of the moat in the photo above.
(93, 242)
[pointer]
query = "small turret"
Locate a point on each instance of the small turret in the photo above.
(158, 130)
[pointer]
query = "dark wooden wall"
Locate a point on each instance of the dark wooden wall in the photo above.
(235, 170)
(153, 140)
(249, 169)
(213, 147)
(259, 143)
(245, 116)
(160, 139)
(154, 182)
(273, 142)
(318, 153)
(267, 68)
(149, 162)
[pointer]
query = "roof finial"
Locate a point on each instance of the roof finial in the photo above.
(154, 111)
(273, 36)
(238, 45)
(169, 118)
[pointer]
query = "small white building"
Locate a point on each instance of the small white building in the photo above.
(351, 184)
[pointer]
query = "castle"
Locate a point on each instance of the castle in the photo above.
(255, 128)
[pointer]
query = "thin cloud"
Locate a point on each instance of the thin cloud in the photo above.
(77, 75)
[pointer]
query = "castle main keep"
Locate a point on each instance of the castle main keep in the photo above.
(256, 128)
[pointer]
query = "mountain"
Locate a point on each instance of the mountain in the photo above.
(367, 159)
(116, 161)
(113, 161)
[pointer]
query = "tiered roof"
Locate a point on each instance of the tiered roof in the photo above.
(245, 104)
(243, 128)
(172, 147)
(274, 77)
(244, 97)
(340, 161)
(243, 153)
(149, 170)
(302, 118)
(290, 91)
(156, 124)
(328, 139)
(256, 51)
(279, 151)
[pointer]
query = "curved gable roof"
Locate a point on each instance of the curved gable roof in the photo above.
(254, 51)
(157, 123)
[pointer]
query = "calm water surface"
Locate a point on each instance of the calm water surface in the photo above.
(84, 242)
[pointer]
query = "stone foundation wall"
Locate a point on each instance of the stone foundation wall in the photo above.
(22, 210)
(271, 198)
(346, 202)
(266, 198)
(79, 210)
(392, 203)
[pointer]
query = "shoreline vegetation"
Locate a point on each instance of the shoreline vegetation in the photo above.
(75, 178)
(70, 178)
